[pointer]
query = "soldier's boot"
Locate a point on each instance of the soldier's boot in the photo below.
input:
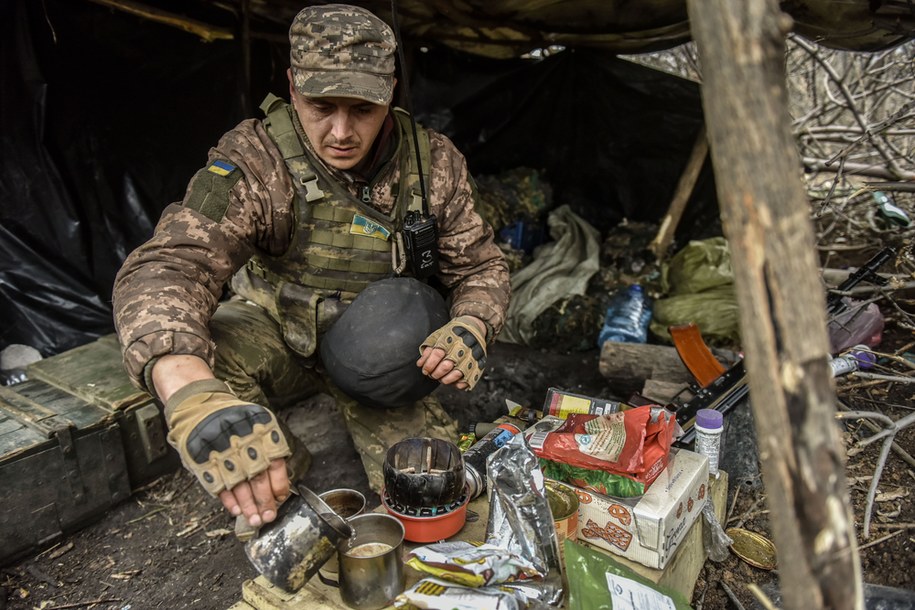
(297, 465)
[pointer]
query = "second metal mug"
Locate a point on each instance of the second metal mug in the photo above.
(371, 562)
(347, 503)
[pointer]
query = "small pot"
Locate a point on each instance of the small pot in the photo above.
(291, 549)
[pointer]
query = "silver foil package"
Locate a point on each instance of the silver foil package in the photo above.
(520, 519)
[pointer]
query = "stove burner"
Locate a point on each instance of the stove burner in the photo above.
(423, 511)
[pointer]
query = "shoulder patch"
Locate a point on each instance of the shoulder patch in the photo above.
(221, 168)
(208, 192)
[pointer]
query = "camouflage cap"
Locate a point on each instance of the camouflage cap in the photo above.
(340, 50)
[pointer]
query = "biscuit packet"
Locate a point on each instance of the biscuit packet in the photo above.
(633, 445)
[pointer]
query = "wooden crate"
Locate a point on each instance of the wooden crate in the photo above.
(75, 438)
(94, 373)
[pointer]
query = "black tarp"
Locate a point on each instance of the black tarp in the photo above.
(612, 137)
(105, 116)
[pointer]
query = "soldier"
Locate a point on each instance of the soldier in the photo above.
(301, 211)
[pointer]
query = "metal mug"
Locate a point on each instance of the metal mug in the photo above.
(371, 562)
(305, 534)
(347, 503)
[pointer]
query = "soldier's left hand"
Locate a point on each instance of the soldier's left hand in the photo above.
(455, 353)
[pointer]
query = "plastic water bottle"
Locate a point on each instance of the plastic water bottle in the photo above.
(627, 317)
(709, 425)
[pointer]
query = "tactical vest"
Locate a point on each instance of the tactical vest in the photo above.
(340, 244)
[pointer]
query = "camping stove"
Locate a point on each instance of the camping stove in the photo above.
(428, 523)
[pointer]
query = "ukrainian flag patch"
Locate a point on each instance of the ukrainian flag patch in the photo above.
(221, 168)
(368, 228)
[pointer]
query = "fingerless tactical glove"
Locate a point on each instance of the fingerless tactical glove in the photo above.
(463, 344)
(222, 440)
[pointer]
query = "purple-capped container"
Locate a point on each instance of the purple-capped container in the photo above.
(709, 425)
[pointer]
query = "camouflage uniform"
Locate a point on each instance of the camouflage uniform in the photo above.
(242, 205)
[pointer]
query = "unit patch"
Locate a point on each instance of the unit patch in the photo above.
(221, 168)
(368, 228)
(208, 192)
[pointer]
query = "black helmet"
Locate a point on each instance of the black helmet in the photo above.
(370, 352)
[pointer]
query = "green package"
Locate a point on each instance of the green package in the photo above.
(599, 582)
(598, 481)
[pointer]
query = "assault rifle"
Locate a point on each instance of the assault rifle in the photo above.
(723, 389)
(867, 271)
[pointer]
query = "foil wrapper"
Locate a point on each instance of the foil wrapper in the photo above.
(520, 520)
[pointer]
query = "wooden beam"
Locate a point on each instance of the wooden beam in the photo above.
(684, 190)
(205, 31)
(766, 218)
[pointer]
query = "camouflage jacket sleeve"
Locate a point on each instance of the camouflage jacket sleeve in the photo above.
(168, 288)
(471, 264)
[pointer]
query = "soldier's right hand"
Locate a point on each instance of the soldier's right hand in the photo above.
(236, 449)
(258, 498)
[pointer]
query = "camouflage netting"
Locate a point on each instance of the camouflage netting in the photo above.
(514, 195)
(515, 203)
(570, 324)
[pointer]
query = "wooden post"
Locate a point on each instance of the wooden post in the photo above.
(764, 212)
(684, 189)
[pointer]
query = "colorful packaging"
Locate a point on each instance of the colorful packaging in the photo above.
(598, 481)
(562, 404)
(436, 594)
(470, 565)
(634, 443)
(597, 582)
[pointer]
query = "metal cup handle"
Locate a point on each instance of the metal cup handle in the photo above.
(328, 582)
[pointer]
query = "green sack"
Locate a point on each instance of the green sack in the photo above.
(699, 283)
(714, 311)
(700, 266)
(596, 580)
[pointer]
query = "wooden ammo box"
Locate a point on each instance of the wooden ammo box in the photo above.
(75, 438)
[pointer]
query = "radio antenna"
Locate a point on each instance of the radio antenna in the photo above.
(409, 104)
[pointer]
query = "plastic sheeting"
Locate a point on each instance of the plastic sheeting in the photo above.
(104, 118)
(560, 268)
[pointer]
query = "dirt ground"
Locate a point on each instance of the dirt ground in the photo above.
(171, 546)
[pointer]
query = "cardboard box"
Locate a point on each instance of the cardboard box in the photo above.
(648, 529)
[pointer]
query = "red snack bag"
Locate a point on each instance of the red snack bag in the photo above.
(635, 442)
